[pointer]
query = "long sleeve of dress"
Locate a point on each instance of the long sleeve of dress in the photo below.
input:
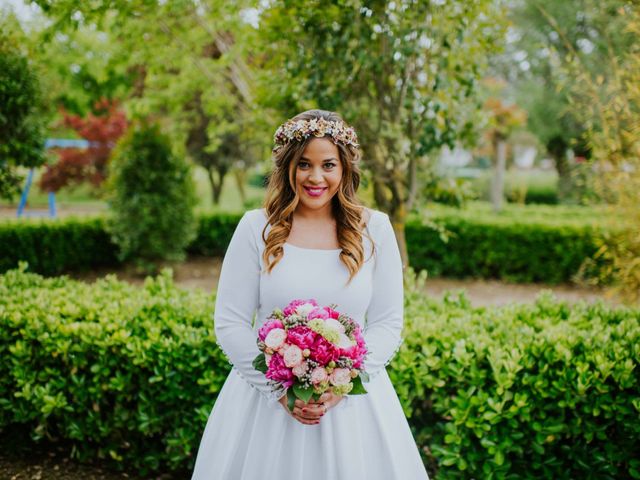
(385, 313)
(237, 299)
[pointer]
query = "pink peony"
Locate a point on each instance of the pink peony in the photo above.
(323, 351)
(279, 372)
(319, 375)
(301, 336)
(292, 356)
(340, 376)
(318, 313)
(293, 305)
(267, 327)
(332, 313)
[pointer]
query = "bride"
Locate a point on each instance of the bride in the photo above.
(312, 239)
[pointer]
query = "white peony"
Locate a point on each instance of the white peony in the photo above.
(304, 309)
(340, 376)
(292, 356)
(334, 324)
(319, 375)
(345, 342)
(300, 369)
(275, 338)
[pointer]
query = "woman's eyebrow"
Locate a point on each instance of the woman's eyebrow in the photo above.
(325, 160)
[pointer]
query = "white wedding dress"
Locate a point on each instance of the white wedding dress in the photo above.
(249, 435)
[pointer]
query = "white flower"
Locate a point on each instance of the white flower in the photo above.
(340, 376)
(292, 356)
(318, 375)
(300, 369)
(304, 309)
(344, 342)
(275, 338)
(334, 324)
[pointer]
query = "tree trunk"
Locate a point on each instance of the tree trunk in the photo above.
(398, 221)
(497, 181)
(564, 175)
(241, 178)
(216, 186)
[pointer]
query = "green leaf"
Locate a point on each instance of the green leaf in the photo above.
(291, 399)
(260, 363)
(358, 388)
(302, 393)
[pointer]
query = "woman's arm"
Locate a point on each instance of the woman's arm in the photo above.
(237, 299)
(385, 313)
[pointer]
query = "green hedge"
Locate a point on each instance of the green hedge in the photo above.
(130, 374)
(510, 247)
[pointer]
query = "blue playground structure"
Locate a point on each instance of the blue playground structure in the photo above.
(49, 143)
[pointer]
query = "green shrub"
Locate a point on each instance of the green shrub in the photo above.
(152, 196)
(127, 374)
(545, 244)
(535, 391)
(130, 374)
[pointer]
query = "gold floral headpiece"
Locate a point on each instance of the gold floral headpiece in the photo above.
(319, 127)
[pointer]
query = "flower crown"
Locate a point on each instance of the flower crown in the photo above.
(319, 127)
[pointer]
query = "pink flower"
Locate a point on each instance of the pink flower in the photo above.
(340, 376)
(293, 305)
(319, 375)
(301, 336)
(292, 356)
(279, 372)
(318, 313)
(267, 327)
(323, 351)
(332, 313)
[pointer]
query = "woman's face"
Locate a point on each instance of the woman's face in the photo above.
(318, 174)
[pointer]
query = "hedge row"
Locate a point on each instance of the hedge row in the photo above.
(130, 374)
(540, 251)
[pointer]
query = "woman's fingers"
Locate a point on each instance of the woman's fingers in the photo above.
(310, 412)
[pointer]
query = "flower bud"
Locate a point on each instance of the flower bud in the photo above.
(354, 373)
(306, 352)
(332, 364)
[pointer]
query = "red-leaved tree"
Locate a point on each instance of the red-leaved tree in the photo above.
(101, 129)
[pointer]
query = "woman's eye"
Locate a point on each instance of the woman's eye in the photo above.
(330, 165)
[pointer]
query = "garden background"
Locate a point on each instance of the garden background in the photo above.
(501, 137)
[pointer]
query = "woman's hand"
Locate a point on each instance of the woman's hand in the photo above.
(311, 413)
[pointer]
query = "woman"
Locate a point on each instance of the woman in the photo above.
(314, 240)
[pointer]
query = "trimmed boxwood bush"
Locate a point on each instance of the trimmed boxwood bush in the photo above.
(130, 374)
(510, 248)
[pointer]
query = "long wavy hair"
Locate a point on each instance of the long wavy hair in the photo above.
(282, 199)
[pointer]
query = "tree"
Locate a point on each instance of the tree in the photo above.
(101, 129)
(403, 73)
(21, 137)
(152, 196)
(504, 119)
(545, 33)
(190, 68)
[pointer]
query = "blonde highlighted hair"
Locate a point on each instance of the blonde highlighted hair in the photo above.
(282, 199)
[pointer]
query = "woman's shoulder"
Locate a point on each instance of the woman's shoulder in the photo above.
(374, 217)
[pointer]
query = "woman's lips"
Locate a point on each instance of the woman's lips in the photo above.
(314, 192)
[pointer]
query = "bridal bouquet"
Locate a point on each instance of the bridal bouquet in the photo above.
(310, 350)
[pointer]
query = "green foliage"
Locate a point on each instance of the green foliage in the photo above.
(130, 374)
(21, 138)
(544, 244)
(455, 192)
(521, 392)
(512, 247)
(152, 199)
(127, 374)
